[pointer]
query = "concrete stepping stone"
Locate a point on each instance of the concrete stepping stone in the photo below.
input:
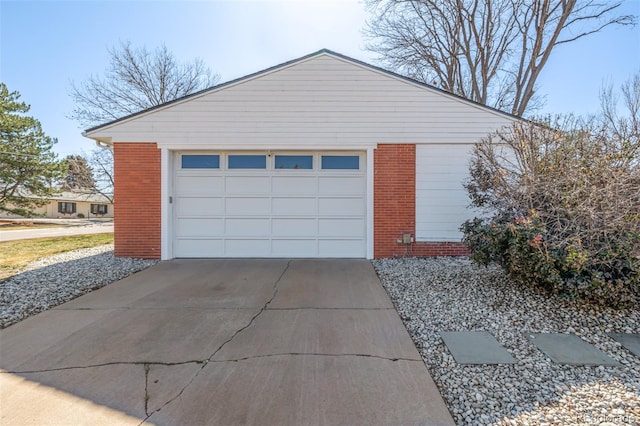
(629, 341)
(476, 347)
(569, 349)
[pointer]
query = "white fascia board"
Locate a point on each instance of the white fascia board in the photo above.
(265, 147)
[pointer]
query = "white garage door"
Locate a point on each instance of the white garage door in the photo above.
(238, 204)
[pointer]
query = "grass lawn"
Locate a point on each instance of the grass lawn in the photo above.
(16, 255)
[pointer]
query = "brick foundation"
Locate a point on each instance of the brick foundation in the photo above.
(431, 249)
(137, 200)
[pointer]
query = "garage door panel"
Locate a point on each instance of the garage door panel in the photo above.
(340, 248)
(199, 247)
(292, 206)
(294, 227)
(247, 206)
(247, 247)
(247, 185)
(294, 248)
(341, 185)
(341, 206)
(247, 227)
(293, 184)
(341, 227)
(269, 212)
(200, 206)
(199, 185)
(205, 227)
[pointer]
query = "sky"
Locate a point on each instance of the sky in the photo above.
(45, 45)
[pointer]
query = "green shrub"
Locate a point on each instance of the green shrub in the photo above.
(561, 203)
(521, 247)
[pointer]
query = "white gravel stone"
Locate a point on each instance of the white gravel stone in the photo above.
(453, 294)
(57, 279)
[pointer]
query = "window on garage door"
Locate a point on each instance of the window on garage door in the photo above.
(295, 162)
(340, 162)
(236, 161)
(200, 161)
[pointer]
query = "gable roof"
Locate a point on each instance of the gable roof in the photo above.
(288, 64)
(87, 196)
(73, 195)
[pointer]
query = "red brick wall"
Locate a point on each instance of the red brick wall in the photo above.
(394, 205)
(394, 197)
(137, 200)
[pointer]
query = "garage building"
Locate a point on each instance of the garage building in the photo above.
(322, 156)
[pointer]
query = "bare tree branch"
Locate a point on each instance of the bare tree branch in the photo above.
(135, 80)
(490, 51)
(101, 162)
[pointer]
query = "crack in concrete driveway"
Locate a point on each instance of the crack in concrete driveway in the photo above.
(230, 341)
(237, 332)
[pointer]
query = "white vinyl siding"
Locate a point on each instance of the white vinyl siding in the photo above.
(322, 100)
(270, 212)
(442, 203)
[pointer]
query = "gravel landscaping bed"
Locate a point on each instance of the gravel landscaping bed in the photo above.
(453, 294)
(57, 279)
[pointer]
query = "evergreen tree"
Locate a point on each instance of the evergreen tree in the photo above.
(79, 174)
(29, 168)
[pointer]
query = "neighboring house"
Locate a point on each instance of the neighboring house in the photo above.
(71, 204)
(323, 156)
(74, 203)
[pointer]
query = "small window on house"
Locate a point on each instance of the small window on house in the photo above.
(199, 161)
(66, 208)
(294, 162)
(98, 209)
(351, 162)
(247, 161)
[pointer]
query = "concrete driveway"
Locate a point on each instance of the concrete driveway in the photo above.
(221, 342)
